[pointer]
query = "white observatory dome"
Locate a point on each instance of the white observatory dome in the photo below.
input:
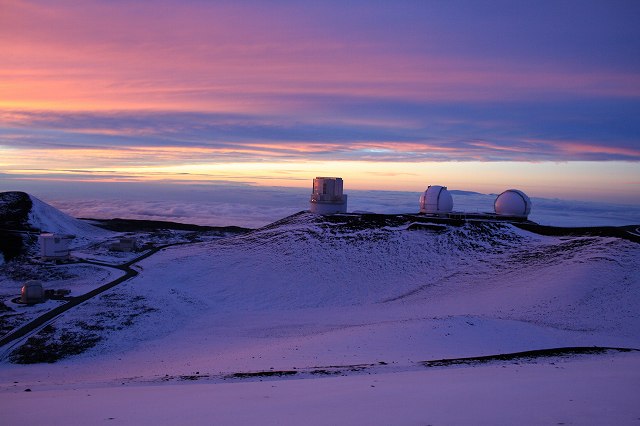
(32, 292)
(513, 202)
(435, 200)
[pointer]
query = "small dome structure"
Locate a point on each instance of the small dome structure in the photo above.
(327, 196)
(32, 292)
(436, 200)
(513, 202)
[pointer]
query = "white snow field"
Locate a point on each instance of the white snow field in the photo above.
(316, 320)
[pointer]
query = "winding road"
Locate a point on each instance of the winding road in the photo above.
(75, 301)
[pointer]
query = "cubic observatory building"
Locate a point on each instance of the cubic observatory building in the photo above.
(327, 196)
(436, 200)
(513, 203)
(54, 246)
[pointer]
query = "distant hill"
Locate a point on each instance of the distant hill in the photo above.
(47, 218)
(22, 216)
(20, 211)
(460, 192)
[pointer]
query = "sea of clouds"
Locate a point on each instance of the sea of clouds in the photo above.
(224, 204)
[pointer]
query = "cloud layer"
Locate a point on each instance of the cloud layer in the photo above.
(253, 207)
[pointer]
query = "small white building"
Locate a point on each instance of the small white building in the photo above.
(124, 245)
(436, 200)
(327, 196)
(54, 246)
(513, 203)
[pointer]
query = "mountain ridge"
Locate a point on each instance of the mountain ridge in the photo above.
(23, 216)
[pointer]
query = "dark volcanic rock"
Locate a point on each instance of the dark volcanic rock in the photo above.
(14, 211)
(14, 220)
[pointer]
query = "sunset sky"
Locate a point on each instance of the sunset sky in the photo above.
(395, 95)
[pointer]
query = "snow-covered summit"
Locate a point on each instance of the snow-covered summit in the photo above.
(307, 261)
(20, 211)
(47, 218)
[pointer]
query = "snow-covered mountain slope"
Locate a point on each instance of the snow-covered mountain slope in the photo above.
(24, 212)
(369, 297)
(311, 261)
(310, 290)
(49, 219)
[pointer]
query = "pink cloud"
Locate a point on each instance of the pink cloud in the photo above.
(574, 148)
(226, 57)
